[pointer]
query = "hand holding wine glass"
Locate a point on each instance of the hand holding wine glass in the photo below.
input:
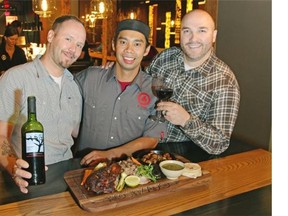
(163, 92)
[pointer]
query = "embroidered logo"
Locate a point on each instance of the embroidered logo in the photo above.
(3, 57)
(144, 99)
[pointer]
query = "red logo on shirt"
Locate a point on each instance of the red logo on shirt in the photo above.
(144, 99)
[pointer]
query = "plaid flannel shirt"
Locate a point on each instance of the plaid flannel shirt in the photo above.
(210, 93)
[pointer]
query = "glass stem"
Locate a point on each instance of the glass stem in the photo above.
(159, 113)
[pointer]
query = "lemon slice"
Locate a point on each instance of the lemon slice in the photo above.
(132, 180)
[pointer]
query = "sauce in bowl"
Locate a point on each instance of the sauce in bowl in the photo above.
(172, 169)
(172, 166)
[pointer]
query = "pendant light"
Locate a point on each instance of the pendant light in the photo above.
(101, 8)
(44, 8)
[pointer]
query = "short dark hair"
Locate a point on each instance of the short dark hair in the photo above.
(10, 31)
(59, 20)
(16, 23)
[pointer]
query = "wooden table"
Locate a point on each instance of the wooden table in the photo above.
(231, 176)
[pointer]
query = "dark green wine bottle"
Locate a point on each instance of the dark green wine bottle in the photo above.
(33, 145)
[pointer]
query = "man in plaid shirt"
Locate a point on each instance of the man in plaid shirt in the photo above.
(206, 97)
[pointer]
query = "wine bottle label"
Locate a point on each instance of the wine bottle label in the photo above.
(34, 142)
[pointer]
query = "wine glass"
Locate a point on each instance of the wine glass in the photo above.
(161, 89)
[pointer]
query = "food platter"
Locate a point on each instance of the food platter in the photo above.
(92, 202)
(139, 154)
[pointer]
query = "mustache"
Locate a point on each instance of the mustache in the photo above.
(192, 43)
(70, 54)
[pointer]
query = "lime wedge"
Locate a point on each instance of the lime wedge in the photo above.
(132, 181)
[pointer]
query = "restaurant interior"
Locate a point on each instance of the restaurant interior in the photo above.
(163, 18)
(237, 21)
(243, 42)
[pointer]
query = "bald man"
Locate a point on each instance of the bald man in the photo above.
(206, 96)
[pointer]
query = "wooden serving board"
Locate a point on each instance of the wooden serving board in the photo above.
(91, 202)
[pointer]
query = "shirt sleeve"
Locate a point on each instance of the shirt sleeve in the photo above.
(155, 129)
(213, 134)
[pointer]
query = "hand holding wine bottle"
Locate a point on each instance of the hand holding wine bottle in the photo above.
(33, 145)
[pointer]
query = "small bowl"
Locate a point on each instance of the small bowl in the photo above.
(172, 169)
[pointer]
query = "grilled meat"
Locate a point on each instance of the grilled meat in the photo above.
(104, 180)
(154, 158)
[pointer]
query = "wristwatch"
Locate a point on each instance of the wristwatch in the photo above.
(188, 122)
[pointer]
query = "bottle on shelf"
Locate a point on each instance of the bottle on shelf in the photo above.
(33, 145)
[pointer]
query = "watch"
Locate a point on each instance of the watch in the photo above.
(188, 122)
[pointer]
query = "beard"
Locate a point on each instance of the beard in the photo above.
(67, 59)
(195, 54)
(65, 63)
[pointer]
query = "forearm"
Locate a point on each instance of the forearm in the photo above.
(133, 146)
(210, 138)
(8, 156)
(14, 165)
(117, 152)
(213, 130)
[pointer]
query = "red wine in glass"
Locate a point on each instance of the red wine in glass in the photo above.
(163, 93)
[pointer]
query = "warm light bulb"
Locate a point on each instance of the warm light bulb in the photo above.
(44, 5)
(172, 23)
(92, 19)
(44, 8)
(132, 15)
(87, 17)
(101, 7)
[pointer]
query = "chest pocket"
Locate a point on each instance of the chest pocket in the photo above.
(196, 101)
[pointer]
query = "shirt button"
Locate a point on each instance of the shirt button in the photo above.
(93, 107)
(115, 118)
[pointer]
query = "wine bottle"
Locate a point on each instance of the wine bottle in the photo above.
(33, 145)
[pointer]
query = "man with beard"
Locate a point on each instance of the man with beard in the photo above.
(205, 102)
(58, 100)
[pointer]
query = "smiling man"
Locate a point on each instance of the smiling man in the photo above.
(206, 94)
(58, 100)
(119, 100)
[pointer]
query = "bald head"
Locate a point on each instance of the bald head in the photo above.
(197, 37)
(199, 16)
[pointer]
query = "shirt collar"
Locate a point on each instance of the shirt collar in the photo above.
(42, 71)
(205, 68)
(137, 81)
(110, 73)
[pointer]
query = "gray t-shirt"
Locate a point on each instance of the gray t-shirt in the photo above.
(59, 110)
(112, 117)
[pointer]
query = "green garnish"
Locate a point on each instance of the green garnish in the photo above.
(147, 171)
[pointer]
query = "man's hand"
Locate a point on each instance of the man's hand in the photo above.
(108, 65)
(173, 112)
(94, 156)
(19, 174)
